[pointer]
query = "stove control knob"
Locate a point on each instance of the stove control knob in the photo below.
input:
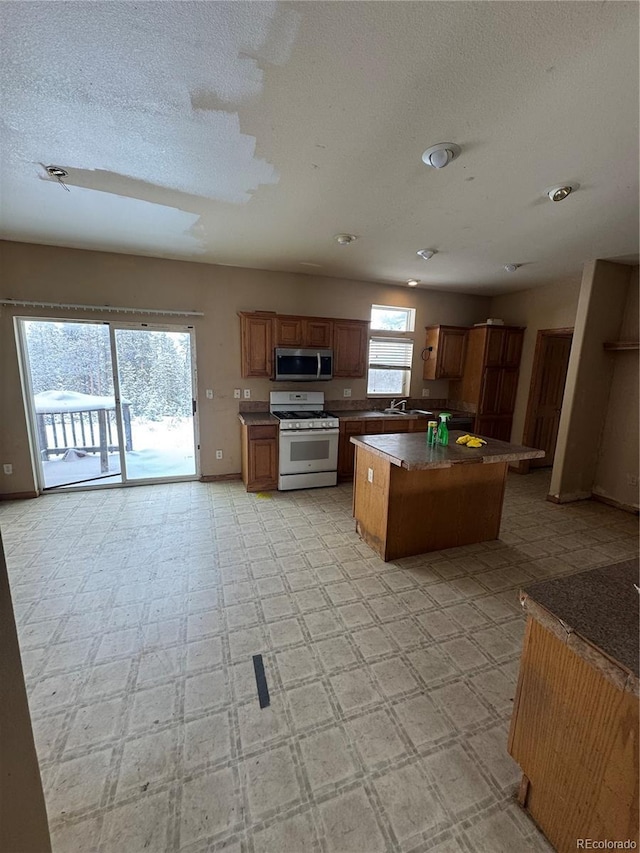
(297, 425)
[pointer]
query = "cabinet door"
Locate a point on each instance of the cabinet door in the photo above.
(490, 393)
(451, 350)
(289, 332)
(419, 425)
(350, 348)
(346, 450)
(317, 333)
(512, 349)
(494, 348)
(496, 427)
(508, 390)
(262, 458)
(256, 343)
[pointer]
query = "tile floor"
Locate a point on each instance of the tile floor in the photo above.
(391, 684)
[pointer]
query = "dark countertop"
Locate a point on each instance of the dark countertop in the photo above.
(411, 451)
(362, 414)
(597, 609)
(257, 419)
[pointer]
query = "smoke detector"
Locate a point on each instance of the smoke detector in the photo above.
(345, 239)
(426, 254)
(511, 267)
(441, 155)
(561, 192)
(413, 282)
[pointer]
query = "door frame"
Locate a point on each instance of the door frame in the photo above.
(534, 387)
(29, 404)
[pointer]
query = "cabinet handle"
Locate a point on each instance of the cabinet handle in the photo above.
(319, 365)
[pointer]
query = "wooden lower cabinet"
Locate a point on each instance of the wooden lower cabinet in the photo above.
(574, 735)
(260, 457)
(494, 427)
(346, 450)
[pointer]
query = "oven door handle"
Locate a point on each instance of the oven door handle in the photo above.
(307, 433)
(319, 366)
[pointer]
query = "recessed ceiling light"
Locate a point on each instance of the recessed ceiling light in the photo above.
(426, 254)
(511, 267)
(344, 239)
(560, 192)
(441, 155)
(413, 282)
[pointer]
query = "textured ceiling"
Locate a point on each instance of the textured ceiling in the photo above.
(250, 133)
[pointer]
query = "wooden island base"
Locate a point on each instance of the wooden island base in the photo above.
(401, 512)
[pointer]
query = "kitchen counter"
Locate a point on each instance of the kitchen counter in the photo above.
(362, 414)
(410, 498)
(410, 450)
(257, 419)
(574, 729)
(596, 613)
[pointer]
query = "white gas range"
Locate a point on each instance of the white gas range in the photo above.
(308, 440)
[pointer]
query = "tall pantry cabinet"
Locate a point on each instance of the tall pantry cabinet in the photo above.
(490, 378)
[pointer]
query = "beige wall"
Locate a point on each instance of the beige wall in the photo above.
(23, 817)
(603, 295)
(550, 307)
(618, 454)
(75, 276)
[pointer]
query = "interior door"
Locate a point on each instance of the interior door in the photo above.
(155, 379)
(553, 361)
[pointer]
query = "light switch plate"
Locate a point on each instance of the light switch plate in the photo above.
(426, 392)
(237, 393)
(370, 475)
(346, 392)
(8, 469)
(209, 393)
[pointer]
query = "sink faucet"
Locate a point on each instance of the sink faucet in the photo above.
(399, 404)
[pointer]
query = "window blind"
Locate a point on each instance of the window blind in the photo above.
(390, 353)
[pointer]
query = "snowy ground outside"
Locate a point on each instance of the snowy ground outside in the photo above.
(161, 449)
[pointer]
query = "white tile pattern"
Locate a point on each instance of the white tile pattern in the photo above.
(391, 684)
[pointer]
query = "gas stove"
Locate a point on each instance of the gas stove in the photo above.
(308, 443)
(306, 414)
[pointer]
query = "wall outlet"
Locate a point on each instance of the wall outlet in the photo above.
(370, 475)
(247, 393)
(426, 392)
(346, 392)
(632, 480)
(218, 454)
(237, 393)
(8, 469)
(209, 393)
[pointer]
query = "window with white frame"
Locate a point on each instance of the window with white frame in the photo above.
(390, 351)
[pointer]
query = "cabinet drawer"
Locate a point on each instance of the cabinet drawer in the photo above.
(263, 431)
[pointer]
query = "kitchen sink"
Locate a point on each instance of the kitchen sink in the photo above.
(408, 412)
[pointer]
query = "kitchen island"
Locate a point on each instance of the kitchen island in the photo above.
(410, 497)
(574, 729)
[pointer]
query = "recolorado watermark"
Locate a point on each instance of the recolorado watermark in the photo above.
(605, 844)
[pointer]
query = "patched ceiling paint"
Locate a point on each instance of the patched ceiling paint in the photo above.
(250, 133)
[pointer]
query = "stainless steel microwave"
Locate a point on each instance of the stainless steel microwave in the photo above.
(303, 365)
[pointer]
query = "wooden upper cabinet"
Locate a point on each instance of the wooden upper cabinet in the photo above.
(512, 347)
(256, 344)
(444, 352)
(494, 346)
(317, 333)
(350, 340)
(289, 332)
(312, 332)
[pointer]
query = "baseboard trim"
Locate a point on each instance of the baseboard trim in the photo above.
(614, 503)
(217, 478)
(19, 496)
(569, 498)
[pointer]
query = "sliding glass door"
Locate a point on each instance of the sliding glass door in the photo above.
(109, 403)
(157, 402)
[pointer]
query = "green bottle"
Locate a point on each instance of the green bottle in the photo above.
(443, 429)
